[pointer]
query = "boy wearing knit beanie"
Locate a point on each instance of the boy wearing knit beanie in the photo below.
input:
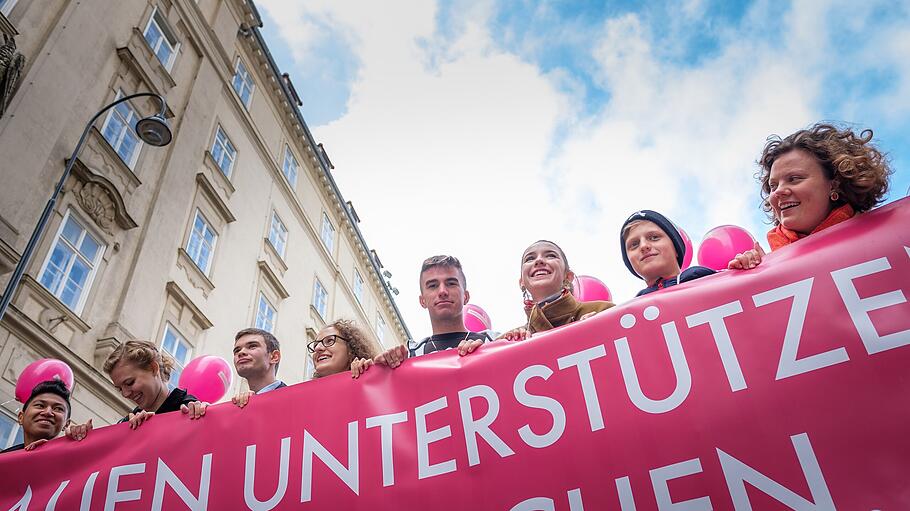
(653, 251)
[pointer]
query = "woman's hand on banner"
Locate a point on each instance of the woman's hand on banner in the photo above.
(195, 409)
(359, 366)
(136, 419)
(516, 334)
(748, 259)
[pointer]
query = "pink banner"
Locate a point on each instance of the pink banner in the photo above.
(784, 387)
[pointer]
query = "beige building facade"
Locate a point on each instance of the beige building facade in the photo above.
(238, 222)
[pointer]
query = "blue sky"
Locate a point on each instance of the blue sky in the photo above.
(563, 117)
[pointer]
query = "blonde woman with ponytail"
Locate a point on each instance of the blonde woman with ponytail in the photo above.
(140, 371)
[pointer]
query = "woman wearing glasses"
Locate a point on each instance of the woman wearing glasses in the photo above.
(338, 347)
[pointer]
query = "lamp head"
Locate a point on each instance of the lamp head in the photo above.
(154, 130)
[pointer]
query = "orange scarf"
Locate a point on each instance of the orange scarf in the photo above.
(780, 236)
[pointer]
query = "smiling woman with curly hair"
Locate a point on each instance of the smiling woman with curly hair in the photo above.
(814, 179)
(338, 345)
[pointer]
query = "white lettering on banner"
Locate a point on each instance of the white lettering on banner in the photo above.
(624, 490)
(425, 438)
(385, 423)
(859, 308)
(582, 360)
(249, 478)
(114, 495)
(52, 504)
(23, 503)
(680, 368)
(539, 402)
(547, 504)
(165, 477)
(535, 504)
(789, 364)
(481, 427)
(659, 478)
(349, 476)
(87, 491)
(738, 473)
(715, 319)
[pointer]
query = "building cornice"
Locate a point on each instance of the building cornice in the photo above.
(295, 118)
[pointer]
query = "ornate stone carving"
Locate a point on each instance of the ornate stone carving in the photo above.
(11, 64)
(97, 202)
(100, 199)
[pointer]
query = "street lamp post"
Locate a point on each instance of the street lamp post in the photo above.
(152, 130)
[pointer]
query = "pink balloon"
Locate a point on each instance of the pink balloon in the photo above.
(721, 244)
(207, 377)
(45, 369)
(589, 289)
(687, 258)
(476, 319)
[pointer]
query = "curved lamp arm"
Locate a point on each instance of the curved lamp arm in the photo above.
(48, 209)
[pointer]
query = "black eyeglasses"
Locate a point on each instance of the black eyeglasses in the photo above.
(326, 341)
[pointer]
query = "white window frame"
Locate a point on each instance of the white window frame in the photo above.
(15, 434)
(290, 164)
(226, 154)
(274, 316)
(278, 230)
(167, 37)
(58, 238)
(380, 328)
(8, 7)
(327, 233)
(116, 144)
(358, 286)
(179, 339)
(242, 73)
(322, 298)
(189, 239)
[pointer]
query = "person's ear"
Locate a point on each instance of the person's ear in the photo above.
(156, 369)
(21, 417)
(467, 297)
(274, 357)
(570, 277)
(423, 303)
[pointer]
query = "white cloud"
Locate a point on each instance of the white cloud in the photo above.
(447, 144)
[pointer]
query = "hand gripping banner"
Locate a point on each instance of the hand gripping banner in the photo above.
(781, 388)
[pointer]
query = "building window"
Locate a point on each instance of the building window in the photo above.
(278, 235)
(161, 39)
(10, 431)
(223, 152)
(243, 83)
(265, 314)
(177, 347)
(6, 6)
(380, 328)
(320, 299)
(201, 244)
(71, 264)
(328, 233)
(290, 167)
(119, 130)
(358, 286)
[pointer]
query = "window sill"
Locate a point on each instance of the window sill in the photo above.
(223, 181)
(314, 313)
(196, 277)
(276, 258)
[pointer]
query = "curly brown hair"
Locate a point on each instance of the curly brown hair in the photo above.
(359, 343)
(858, 168)
(142, 354)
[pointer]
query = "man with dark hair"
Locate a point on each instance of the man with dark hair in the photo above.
(256, 358)
(44, 414)
(444, 293)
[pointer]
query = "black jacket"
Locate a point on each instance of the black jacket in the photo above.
(445, 341)
(690, 273)
(174, 400)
